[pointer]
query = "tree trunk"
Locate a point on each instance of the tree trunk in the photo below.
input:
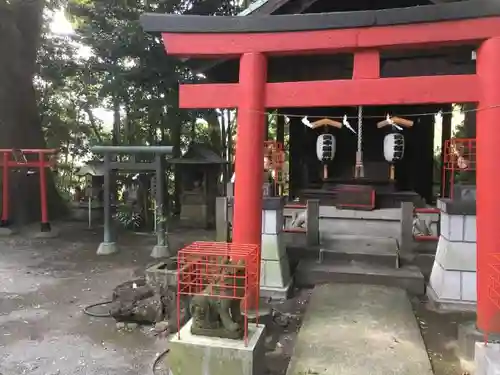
(214, 131)
(176, 131)
(20, 125)
(116, 121)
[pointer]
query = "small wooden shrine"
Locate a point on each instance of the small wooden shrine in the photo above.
(93, 172)
(200, 168)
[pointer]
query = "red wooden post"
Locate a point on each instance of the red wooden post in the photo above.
(488, 197)
(45, 225)
(249, 162)
(5, 190)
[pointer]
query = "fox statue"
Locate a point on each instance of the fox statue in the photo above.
(299, 219)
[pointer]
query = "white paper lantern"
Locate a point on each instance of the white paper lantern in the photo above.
(394, 147)
(325, 147)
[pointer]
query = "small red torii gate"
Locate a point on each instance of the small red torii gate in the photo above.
(16, 159)
(225, 37)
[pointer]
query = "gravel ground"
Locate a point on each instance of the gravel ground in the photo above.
(44, 285)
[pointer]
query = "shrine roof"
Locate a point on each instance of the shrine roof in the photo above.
(92, 168)
(198, 153)
(153, 22)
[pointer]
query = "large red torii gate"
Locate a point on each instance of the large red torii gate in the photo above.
(253, 40)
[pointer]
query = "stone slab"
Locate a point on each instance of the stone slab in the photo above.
(372, 250)
(160, 251)
(5, 231)
(159, 275)
(329, 227)
(456, 256)
(448, 305)
(458, 227)
(453, 285)
(53, 233)
(309, 272)
(273, 246)
(274, 273)
(277, 293)
(199, 355)
(273, 203)
(456, 207)
(272, 221)
(359, 329)
(468, 336)
(487, 359)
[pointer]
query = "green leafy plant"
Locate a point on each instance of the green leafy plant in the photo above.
(128, 218)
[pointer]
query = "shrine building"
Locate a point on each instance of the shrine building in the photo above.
(364, 77)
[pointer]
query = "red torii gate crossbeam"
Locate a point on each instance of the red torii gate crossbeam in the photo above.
(45, 159)
(253, 94)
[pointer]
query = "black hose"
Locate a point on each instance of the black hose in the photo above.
(108, 315)
(158, 359)
(97, 315)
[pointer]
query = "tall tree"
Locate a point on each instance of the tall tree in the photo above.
(21, 29)
(139, 77)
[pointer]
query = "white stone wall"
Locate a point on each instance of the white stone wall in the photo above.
(453, 277)
(275, 269)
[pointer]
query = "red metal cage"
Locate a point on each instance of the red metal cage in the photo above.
(459, 159)
(203, 269)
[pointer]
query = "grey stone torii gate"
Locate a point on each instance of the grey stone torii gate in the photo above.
(108, 246)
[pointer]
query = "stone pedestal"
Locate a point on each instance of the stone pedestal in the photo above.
(487, 359)
(200, 355)
(194, 210)
(275, 279)
(52, 233)
(160, 251)
(452, 283)
(223, 218)
(107, 248)
(162, 275)
(6, 231)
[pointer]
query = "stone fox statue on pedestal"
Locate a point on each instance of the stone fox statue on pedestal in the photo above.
(217, 312)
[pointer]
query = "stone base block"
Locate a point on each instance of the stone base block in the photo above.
(272, 219)
(199, 355)
(460, 256)
(444, 304)
(458, 227)
(468, 338)
(160, 251)
(160, 275)
(264, 309)
(487, 359)
(107, 248)
(454, 285)
(194, 215)
(53, 233)
(5, 231)
(277, 293)
(274, 273)
(273, 246)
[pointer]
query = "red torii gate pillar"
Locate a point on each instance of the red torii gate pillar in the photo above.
(250, 135)
(488, 185)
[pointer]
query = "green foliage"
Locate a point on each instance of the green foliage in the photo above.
(126, 72)
(127, 217)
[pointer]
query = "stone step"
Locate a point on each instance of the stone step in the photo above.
(349, 248)
(359, 227)
(310, 272)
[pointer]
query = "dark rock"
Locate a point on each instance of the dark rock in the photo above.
(134, 302)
